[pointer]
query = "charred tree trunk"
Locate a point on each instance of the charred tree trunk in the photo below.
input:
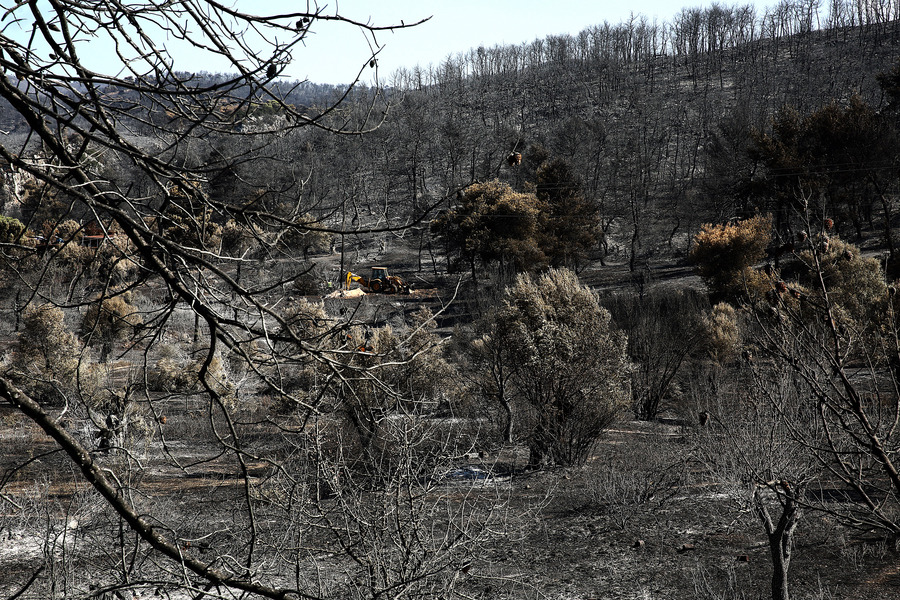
(780, 534)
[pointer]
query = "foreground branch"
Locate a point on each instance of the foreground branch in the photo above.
(94, 474)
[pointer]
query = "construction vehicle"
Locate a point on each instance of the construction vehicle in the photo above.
(380, 282)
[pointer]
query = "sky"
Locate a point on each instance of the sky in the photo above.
(335, 52)
(455, 27)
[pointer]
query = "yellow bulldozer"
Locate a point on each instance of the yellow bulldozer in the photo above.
(380, 282)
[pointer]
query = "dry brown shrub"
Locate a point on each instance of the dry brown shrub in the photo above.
(855, 284)
(165, 376)
(45, 361)
(110, 320)
(725, 254)
(177, 376)
(722, 333)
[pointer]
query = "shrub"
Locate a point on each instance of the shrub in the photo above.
(165, 375)
(11, 230)
(725, 254)
(570, 370)
(722, 333)
(45, 362)
(309, 283)
(831, 279)
(299, 379)
(173, 374)
(305, 236)
(115, 261)
(110, 320)
(855, 284)
(66, 232)
(426, 377)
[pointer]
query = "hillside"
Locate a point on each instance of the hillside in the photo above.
(646, 343)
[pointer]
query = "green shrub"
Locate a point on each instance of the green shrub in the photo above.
(11, 230)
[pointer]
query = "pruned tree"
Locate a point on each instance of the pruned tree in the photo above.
(748, 447)
(810, 417)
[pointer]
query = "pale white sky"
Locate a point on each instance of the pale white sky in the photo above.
(336, 52)
(458, 25)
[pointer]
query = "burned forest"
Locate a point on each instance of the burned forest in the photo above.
(610, 315)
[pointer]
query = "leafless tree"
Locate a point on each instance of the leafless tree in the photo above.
(838, 339)
(138, 151)
(662, 334)
(748, 446)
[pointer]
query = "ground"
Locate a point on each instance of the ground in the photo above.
(642, 520)
(612, 532)
(638, 521)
